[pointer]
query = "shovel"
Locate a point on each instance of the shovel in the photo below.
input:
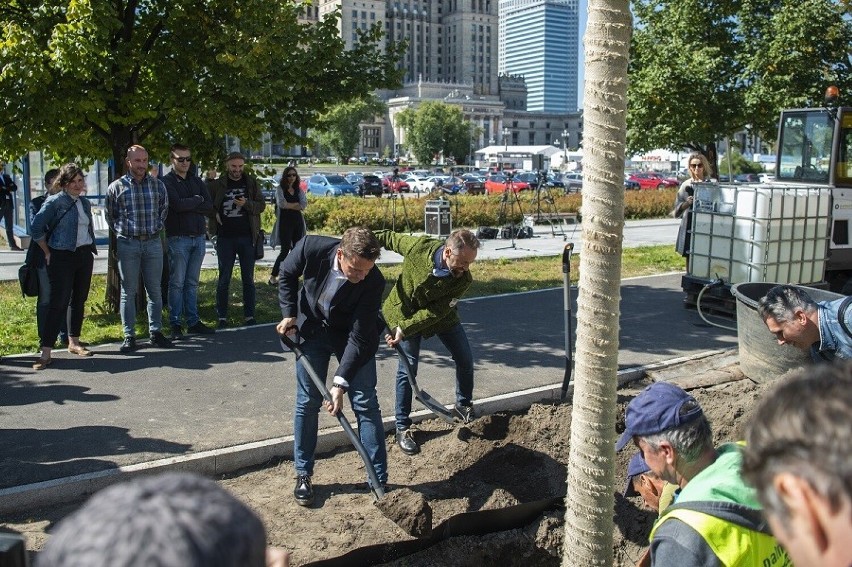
(569, 363)
(375, 485)
(423, 397)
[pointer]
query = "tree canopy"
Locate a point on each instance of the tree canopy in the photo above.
(339, 127)
(436, 127)
(703, 70)
(87, 78)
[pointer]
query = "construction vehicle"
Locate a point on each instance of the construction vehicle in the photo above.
(794, 229)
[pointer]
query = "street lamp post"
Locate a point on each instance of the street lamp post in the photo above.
(565, 135)
(506, 138)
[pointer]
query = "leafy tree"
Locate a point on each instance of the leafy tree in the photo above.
(339, 128)
(436, 127)
(87, 78)
(739, 164)
(703, 70)
(589, 500)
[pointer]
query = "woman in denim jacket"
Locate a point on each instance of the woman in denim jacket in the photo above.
(63, 230)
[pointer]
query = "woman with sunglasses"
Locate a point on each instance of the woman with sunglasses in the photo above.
(289, 223)
(699, 170)
(63, 230)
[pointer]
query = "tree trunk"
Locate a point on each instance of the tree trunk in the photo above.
(589, 500)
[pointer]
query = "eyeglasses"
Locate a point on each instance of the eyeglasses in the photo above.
(696, 165)
(182, 159)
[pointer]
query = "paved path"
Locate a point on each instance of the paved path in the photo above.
(546, 242)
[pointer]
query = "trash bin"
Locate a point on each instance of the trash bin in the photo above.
(437, 218)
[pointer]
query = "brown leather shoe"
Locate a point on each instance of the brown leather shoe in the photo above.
(42, 363)
(80, 350)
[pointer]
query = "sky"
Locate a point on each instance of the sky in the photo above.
(583, 8)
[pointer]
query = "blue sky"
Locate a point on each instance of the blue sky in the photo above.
(583, 8)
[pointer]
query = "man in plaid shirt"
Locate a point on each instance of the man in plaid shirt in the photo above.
(136, 208)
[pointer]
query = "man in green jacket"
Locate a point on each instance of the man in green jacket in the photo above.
(422, 303)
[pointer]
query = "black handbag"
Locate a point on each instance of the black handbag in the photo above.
(258, 245)
(28, 278)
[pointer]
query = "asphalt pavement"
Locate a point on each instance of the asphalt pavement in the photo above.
(221, 402)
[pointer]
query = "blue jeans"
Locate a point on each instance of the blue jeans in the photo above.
(228, 249)
(186, 253)
(362, 395)
(455, 339)
(146, 257)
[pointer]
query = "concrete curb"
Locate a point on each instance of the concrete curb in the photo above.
(227, 460)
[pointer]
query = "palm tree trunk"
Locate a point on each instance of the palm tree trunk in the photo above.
(589, 500)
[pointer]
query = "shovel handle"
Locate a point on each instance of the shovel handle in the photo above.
(376, 486)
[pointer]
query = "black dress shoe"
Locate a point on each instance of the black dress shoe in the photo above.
(159, 340)
(304, 491)
(406, 442)
(200, 329)
(129, 345)
(177, 333)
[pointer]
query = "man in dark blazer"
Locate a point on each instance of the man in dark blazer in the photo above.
(336, 313)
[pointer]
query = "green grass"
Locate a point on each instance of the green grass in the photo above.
(18, 332)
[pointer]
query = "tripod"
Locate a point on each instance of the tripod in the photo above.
(509, 201)
(390, 206)
(543, 194)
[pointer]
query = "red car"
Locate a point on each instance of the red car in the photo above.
(496, 183)
(398, 186)
(651, 180)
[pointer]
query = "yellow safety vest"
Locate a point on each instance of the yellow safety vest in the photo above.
(733, 544)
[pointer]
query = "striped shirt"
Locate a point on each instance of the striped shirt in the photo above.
(136, 208)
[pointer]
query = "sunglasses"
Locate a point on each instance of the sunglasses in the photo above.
(182, 159)
(696, 165)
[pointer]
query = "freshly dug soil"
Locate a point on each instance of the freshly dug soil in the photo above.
(497, 461)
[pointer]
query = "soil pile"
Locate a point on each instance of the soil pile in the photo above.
(497, 461)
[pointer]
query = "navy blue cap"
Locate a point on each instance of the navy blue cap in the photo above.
(636, 467)
(657, 409)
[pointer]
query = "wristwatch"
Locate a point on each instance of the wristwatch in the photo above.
(339, 386)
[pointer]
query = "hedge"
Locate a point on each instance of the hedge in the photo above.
(333, 215)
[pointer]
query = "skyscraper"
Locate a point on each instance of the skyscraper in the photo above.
(538, 40)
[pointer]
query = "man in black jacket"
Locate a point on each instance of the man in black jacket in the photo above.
(7, 206)
(186, 227)
(336, 313)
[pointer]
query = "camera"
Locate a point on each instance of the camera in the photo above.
(510, 174)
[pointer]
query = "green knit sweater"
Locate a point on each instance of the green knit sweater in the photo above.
(421, 303)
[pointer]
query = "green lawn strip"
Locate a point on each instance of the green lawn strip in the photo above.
(490, 277)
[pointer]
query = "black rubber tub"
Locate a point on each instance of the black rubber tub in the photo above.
(761, 357)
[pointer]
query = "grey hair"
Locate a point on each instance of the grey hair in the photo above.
(164, 520)
(782, 301)
(689, 440)
(802, 427)
(462, 238)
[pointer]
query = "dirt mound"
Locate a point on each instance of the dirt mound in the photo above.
(497, 461)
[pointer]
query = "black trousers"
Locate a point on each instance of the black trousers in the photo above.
(290, 231)
(70, 276)
(6, 215)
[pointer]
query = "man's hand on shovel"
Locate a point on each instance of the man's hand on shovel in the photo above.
(336, 402)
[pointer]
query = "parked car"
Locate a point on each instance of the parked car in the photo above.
(397, 186)
(418, 183)
(573, 181)
(497, 183)
(473, 184)
(747, 178)
(370, 185)
(631, 185)
(765, 177)
(267, 187)
(652, 180)
(330, 185)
